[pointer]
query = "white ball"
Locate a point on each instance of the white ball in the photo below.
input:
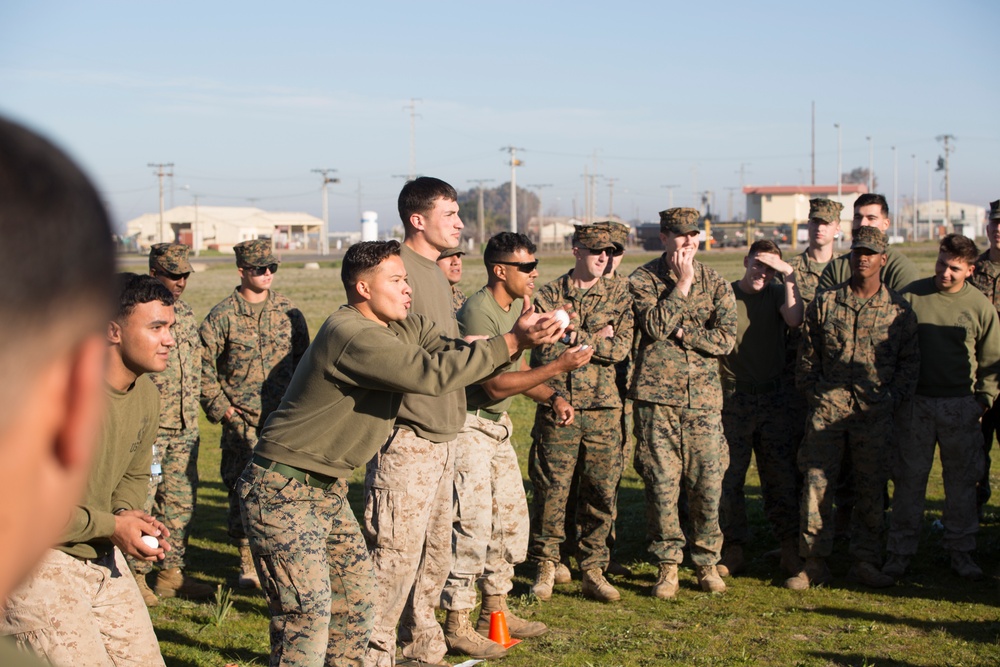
(562, 317)
(151, 541)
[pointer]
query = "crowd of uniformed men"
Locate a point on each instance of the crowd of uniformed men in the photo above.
(836, 373)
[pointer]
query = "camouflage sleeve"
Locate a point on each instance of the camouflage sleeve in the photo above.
(544, 300)
(904, 380)
(988, 359)
(213, 399)
(300, 335)
(717, 336)
(657, 318)
(808, 370)
(618, 347)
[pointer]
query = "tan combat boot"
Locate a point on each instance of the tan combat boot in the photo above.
(463, 640)
(814, 572)
(667, 583)
(563, 574)
(545, 579)
(148, 596)
(709, 579)
(732, 561)
(519, 628)
(172, 582)
(248, 574)
(596, 587)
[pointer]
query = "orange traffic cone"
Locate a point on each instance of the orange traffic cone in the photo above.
(499, 632)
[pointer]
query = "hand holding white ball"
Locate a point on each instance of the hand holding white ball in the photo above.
(562, 317)
(151, 541)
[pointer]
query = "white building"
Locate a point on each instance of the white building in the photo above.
(966, 219)
(787, 204)
(222, 227)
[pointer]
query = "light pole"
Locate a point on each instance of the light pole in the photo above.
(895, 193)
(324, 239)
(840, 189)
(913, 233)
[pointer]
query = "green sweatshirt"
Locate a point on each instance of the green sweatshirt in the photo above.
(898, 272)
(482, 316)
(435, 418)
(346, 392)
(959, 341)
(119, 475)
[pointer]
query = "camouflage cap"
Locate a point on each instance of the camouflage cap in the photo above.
(256, 252)
(170, 257)
(594, 237)
(825, 210)
(871, 238)
(679, 220)
(451, 252)
(618, 233)
(995, 210)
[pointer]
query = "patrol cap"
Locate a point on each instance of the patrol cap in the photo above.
(256, 252)
(451, 252)
(679, 220)
(593, 237)
(995, 210)
(871, 238)
(618, 233)
(824, 209)
(170, 257)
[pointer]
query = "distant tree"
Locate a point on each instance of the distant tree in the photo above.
(496, 209)
(858, 175)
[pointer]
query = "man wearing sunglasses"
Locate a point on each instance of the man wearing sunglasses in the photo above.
(490, 534)
(252, 341)
(590, 444)
(174, 475)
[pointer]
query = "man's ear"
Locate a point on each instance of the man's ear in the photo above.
(363, 289)
(417, 221)
(84, 406)
(114, 332)
(500, 271)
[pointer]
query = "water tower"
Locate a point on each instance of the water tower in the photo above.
(369, 226)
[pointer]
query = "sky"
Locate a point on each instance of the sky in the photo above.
(246, 99)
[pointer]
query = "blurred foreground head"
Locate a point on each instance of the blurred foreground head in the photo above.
(53, 315)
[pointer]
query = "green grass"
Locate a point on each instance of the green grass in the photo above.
(932, 618)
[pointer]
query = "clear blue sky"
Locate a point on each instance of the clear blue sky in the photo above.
(246, 98)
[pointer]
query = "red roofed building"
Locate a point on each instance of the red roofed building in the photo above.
(785, 204)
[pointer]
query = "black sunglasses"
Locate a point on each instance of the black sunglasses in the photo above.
(257, 271)
(523, 267)
(173, 276)
(600, 251)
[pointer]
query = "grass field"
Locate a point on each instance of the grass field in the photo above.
(931, 618)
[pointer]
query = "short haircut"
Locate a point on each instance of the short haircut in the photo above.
(764, 246)
(57, 241)
(135, 289)
(505, 244)
(418, 196)
(959, 247)
(364, 257)
(870, 198)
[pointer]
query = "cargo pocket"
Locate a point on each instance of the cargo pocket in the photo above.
(31, 625)
(279, 587)
(385, 520)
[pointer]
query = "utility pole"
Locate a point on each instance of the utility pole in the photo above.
(930, 172)
(160, 173)
(195, 231)
(412, 106)
(871, 165)
(611, 196)
(324, 239)
(913, 233)
(670, 194)
(514, 164)
(946, 138)
(481, 210)
(895, 193)
(729, 208)
(538, 187)
(813, 143)
(840, 178)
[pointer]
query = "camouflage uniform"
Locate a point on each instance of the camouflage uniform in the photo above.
(592, 444)
(677, 422)
(987, 280)
(457, 298)
(858, 361)
(247, 362)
